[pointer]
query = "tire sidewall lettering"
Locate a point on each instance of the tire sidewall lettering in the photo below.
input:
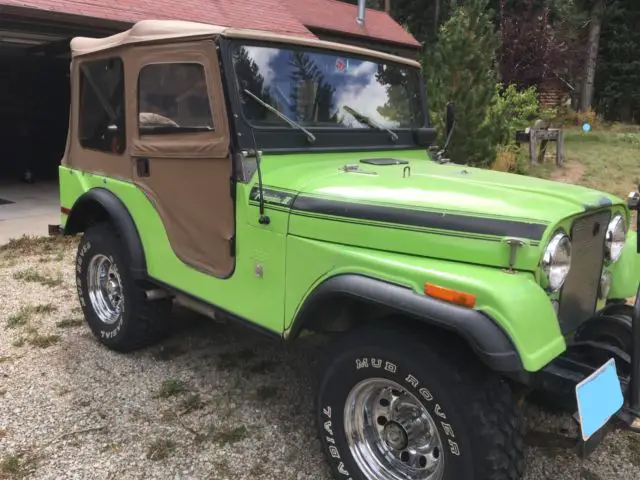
(106, 332)
(332, 421)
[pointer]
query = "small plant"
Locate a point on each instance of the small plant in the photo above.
(234, 435)
(171, 387)
(160, 449)
(31, 275)
(43, 341)
(191, 403)
(70, 323)
(20, 318)
(17, 465)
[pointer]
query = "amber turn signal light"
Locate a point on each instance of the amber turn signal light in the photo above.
(451, 296)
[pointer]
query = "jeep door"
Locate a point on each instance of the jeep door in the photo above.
(180, 149)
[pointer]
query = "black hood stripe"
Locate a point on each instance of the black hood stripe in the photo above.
(403, 216)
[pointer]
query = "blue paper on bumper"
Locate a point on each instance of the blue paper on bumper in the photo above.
(599, 397)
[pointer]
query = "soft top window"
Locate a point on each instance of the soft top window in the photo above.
(326, 89)
(101, 112)
(173, 98)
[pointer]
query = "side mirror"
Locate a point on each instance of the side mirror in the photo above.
(450, 118)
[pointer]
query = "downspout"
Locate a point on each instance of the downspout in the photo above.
(362, 5)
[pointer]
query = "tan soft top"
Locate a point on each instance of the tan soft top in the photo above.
(153, 30)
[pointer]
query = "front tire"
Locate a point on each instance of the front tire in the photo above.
(392, 408)
(113, 302)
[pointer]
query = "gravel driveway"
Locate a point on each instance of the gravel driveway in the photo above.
(214, 401)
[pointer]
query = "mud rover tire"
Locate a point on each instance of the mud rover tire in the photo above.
(114, 304)
(367, 373)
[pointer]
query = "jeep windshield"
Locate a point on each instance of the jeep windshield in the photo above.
(342, 98)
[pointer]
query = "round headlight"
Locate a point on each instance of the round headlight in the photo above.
(556, 261)
(615, 238)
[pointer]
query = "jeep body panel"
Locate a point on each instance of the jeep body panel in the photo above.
(196, 210)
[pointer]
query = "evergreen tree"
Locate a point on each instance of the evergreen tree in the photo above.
(460, 68)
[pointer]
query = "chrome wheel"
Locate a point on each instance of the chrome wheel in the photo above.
(391, 435)
(105, 289)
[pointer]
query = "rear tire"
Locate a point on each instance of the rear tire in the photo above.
(468, 426)
(114, 304)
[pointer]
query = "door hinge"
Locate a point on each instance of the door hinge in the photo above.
(232, 246)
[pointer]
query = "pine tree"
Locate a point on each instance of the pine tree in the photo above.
(460, 69)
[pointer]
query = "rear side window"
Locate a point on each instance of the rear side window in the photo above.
(173, 98)
(101, 113)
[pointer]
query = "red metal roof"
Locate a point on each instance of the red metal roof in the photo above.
(282, 16)
(341, 17)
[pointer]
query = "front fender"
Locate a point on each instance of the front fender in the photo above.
(514, 301)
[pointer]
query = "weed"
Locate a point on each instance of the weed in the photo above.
(33, 245)
(171, 387)
(22, 316)
(70, 323)
(234, 435)
(17, 465)
(191, 403)
(43, 341)
(4, 359)
(19, 342)
(160, 449)
(31, 275)
(266, 392)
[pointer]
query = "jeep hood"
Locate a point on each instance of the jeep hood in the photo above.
(423, 208)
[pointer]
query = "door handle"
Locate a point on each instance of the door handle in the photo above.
(142, 167)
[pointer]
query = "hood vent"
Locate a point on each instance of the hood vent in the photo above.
(384, 161)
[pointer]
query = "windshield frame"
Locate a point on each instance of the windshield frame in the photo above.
(285, 139)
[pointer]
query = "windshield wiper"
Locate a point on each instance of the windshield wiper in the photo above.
(294, 124)
(370, 121)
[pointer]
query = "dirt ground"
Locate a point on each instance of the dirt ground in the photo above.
(212, 402)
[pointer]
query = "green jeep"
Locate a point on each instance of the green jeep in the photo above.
(292, 185)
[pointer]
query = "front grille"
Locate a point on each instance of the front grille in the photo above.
(579, 294)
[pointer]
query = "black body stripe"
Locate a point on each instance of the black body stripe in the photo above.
(417, 218)
(403, 216)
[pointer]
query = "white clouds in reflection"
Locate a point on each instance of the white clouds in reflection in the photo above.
(360, 90)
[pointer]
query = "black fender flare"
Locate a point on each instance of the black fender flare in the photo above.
(488, 340)
(120, 218)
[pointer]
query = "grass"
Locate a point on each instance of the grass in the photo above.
(609, 158)
(17, 465)
(234, 435)
(32, 275)
(38, 245)
(43, 341)
(70, 323)
(160, 449)
(191, 403)
(25, 313)
(172, 387)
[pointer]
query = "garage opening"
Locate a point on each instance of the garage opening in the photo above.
(34, 104)
(34, 107)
